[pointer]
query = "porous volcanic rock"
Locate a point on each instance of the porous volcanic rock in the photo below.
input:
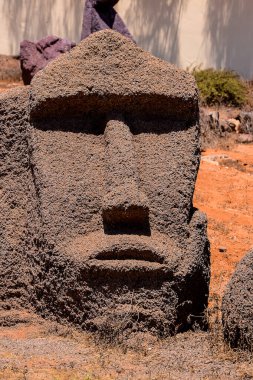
(237, 306)
(34, 56)
(111, 73)
(246, 119)
(99, 15)
(110, 157)
(16, 200)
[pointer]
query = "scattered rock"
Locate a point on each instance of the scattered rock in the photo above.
(214, 118)
(222, 249)
(210, 128)
(224, 126)
(246, 119)
(244, 138)
(214, 158)
(234, 124)
(34, 56)
(237, 306)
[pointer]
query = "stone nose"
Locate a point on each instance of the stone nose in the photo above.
(124, 204)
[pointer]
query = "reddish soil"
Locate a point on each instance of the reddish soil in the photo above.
(42, 350)
(7, 85)
(224, 190)
(9, 70)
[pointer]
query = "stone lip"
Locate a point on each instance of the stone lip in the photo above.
(120, 247)
(109, 72)
(136, 254)
(123, 253)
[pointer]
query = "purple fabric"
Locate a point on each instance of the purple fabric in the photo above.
(34, 56)
(99, 15)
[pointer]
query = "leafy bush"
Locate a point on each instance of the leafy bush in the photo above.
(220, 87)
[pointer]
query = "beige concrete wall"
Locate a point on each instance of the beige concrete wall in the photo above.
(211, 33)
(34, 19)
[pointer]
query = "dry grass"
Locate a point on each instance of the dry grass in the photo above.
(48, 351)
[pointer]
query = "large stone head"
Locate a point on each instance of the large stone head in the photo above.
(114, 150)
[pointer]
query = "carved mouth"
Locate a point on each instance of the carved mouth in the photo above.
(135, 262)
(122, 253)
(132, 253)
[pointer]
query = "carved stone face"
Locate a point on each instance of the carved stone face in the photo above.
(116, 218)
(114, 178)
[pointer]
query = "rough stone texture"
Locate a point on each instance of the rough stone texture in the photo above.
(15, 204)
(110, 73)
(237, 306)
(123, 203)
(99, 15)
(244, 138)
(113, 146)
(246, 119)
(34, 56)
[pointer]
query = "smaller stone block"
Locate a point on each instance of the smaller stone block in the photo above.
(237, 306)
(34, 56)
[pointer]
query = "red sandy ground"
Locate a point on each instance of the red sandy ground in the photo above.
(7, 85)
(225, 194)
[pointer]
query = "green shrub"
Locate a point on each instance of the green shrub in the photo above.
(220, 87)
